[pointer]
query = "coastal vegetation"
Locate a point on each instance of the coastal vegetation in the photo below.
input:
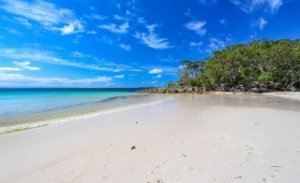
(258, 66)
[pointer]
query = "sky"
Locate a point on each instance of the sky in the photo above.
(134, 43)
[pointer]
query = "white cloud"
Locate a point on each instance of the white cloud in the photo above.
(20, 66)
(274, 4)
(91, 32)
(99, 79)
(26, 65)
(261, 23)
(249, 6)
(78, 54)
(215, 44)
(207, 1)
(47, 57)
(126, 47)
(155, 71)
(24, 21)
(197, 26)
(45, 13)
(141, 20)
(119, 76)
(36, 55)
(119, 17)
(223, 21)
(152, 39)
(95, 16)
(196, 44)
(120, 29)
(130, 14)
(9, 69)
(71, 28)
(158, 76)
(19, 80)
(14, 31)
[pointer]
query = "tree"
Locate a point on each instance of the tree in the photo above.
(264, 62)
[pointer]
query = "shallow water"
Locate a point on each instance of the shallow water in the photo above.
(29, 105)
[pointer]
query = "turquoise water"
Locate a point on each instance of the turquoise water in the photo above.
(29, 105)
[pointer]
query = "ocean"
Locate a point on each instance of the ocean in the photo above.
(28, 106)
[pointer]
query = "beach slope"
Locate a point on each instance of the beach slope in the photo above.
(188, 139)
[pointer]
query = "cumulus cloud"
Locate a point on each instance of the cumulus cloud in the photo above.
(120, 29)
(197, 27)
(45, 13)
(73, 27)
(152, 39)
(155, 71)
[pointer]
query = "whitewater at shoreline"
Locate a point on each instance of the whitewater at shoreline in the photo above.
(38, 124)
(183, 138)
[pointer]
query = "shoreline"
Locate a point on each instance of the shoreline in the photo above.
(68, 119)
(43, 123)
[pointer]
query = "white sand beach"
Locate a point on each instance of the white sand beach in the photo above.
(189, 139)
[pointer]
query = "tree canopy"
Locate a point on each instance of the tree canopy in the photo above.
(264, 62)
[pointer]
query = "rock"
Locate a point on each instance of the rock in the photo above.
(295, 86)
(293, 89)
(132, 148)
(255, 90)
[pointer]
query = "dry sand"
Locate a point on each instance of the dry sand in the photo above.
(189, 139)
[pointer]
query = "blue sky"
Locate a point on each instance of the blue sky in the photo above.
(134, 43)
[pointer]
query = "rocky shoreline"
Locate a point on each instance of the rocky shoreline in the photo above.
(234, 89)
